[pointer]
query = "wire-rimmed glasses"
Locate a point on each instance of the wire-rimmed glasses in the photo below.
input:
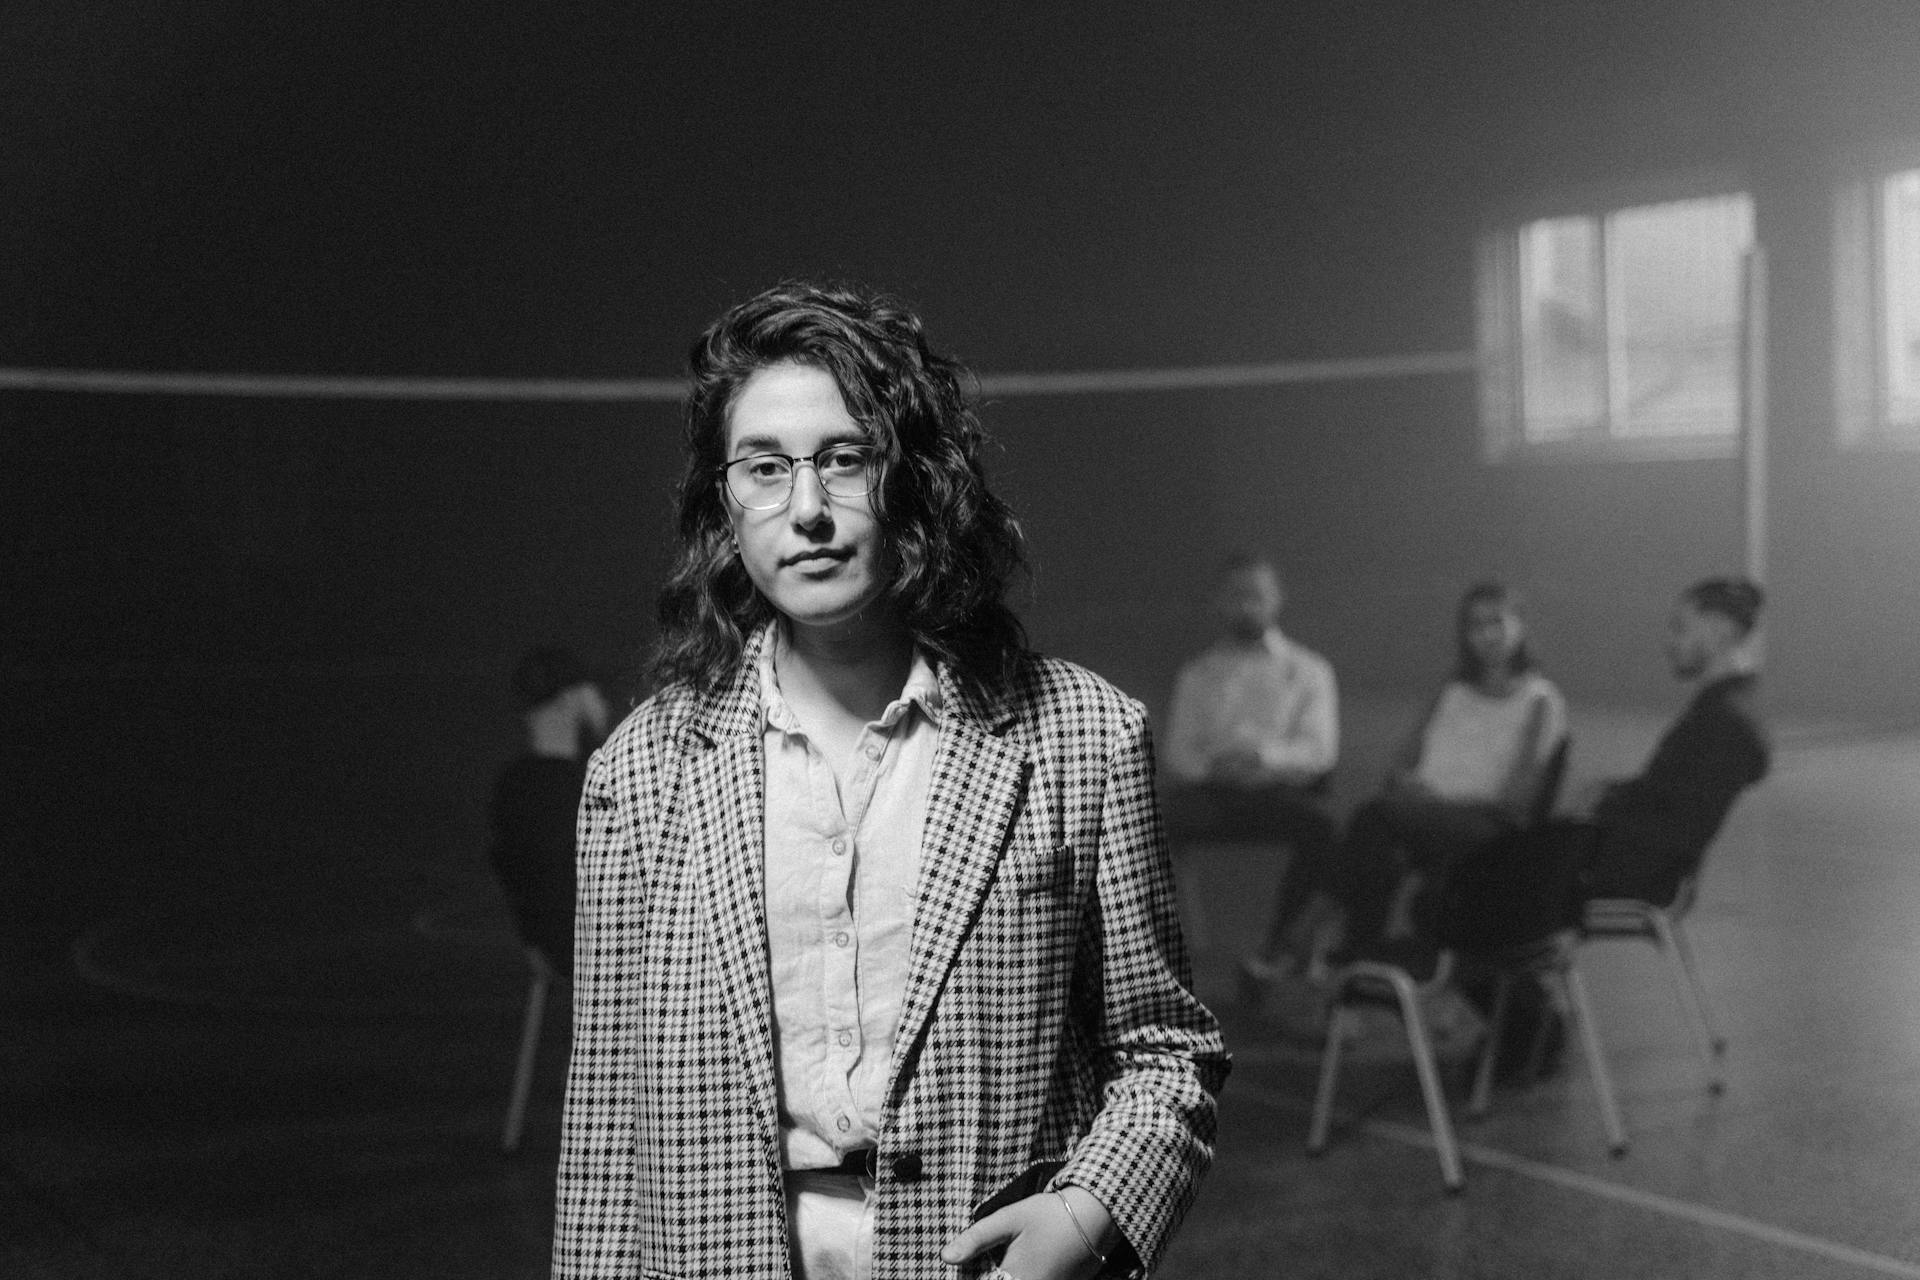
(764, 481)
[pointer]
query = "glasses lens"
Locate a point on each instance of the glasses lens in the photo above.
(847, 470)
(760, 482)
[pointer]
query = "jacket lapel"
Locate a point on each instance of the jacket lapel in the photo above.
(725, 783)
(979, 776)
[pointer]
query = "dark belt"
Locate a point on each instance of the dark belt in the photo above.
(864, 1162)
(861, 1162)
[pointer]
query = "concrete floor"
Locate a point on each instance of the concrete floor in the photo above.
(288, 1055)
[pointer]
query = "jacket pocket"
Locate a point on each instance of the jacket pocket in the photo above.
(1046, 869)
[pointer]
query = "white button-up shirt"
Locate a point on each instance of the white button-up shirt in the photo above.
(1276, 699)
(842, 872)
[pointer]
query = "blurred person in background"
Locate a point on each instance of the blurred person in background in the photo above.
(1254, 732)
(536, 799)
(1472, 772)
(1655, 827)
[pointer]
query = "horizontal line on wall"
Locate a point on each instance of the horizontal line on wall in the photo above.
(1216, 376)
(630, 390)
(316, 387)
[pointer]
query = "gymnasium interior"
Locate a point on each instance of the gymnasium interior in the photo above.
(342, 361)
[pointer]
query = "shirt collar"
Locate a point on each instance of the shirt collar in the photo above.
(922, 690)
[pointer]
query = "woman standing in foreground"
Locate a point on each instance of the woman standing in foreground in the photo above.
(877, 966)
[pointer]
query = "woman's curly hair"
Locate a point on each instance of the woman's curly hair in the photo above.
(956, 545)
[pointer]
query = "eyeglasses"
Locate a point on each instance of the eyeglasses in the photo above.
(765, 480)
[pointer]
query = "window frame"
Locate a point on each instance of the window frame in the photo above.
(1499, 317)
(1863, 415)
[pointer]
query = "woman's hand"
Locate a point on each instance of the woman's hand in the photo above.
(1042, 1242)
(1239, 767)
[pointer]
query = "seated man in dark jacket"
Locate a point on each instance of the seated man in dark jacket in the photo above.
(1654, 828)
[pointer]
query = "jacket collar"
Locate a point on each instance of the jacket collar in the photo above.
(733, 708)
(989, 710)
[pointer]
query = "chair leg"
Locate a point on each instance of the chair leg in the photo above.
(1673, 940)
(1339, 1027)
(1536, 1060)
(1580, 1009)
(1451, 1172)
(1399, 919)
(1481, 1099)
(523, 1066)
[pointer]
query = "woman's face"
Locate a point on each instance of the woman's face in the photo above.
(1493, 634)
(818, 559)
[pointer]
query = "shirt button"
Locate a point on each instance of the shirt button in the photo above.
(843, 1124)
(839, 846)
(841, 939)
(873, 752)
(844, 1039)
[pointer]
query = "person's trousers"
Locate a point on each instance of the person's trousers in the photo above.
(1390, 836)
(1280, 812)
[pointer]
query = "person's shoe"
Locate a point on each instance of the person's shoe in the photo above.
(1257, 974)
(1266, 968)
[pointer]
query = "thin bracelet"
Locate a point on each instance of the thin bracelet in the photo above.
(1074, 1218)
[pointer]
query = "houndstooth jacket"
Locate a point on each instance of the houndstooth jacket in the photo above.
(1047, 1016)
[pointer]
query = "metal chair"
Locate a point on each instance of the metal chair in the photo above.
(1548, 956)
(1548, 959)
(1370, 981)
(1544, 948)
(539, 982)
(1606, 919)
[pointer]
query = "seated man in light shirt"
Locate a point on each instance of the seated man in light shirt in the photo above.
(1255, 729)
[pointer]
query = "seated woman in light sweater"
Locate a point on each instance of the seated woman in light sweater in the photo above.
(1471, 773)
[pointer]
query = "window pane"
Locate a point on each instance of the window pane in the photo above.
(1562, 329)
(1678, 268)
(1901, 250)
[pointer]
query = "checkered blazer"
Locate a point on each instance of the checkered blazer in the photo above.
(1047, 1016)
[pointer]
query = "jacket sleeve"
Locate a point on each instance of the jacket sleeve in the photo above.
(1159, 1057)
(596, 1227)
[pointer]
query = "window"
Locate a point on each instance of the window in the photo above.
(1619, 328)
(1899, 244)
(1877, 274)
